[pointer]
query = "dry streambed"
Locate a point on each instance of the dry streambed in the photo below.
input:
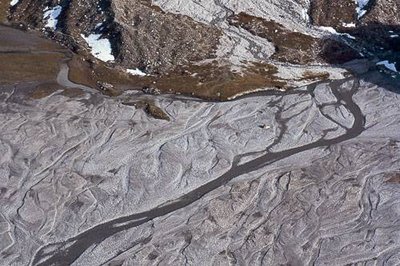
(280, 178)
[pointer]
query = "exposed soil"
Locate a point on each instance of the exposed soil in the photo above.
(158, 42)
(384, 12)
(292, 47)
(209, 81)
(41, 63)
(175, 50)
(219, 82)
(213, 80)
(376, 33)
(72, 92)
(20, 67)
(295, 47)
(144, 38)
(45, 89)
(395, 179)
(308, 75)
(26, 57)
(333, 13)
(150, 108)
(4, 6)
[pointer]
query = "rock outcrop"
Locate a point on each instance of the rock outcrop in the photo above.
(174, 41)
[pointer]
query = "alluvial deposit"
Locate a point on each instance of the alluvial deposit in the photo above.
(199, 132)
(309, 176)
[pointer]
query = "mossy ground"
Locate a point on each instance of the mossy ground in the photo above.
(39, 60)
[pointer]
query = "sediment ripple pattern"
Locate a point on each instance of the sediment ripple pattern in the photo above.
(300, 178)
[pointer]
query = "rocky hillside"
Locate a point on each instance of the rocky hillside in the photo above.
(215, 49)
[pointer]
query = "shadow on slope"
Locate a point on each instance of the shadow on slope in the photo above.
(378, 44)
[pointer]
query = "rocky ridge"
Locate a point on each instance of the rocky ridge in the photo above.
(217, 48)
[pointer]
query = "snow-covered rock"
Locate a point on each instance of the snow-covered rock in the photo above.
(100, 47)
(51, 15)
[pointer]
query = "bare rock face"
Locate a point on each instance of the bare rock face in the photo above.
(155, 41)
(292, 47)
(335, 14)
(188, 42)
(385, 12)
(175, 40)
(141, 36)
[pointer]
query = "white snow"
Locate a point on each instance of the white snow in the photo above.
(348, 36)
(394, 36)
(328, 29)
(304, 15)
(51, 16)
(390, 66)
(14, 2)
(100, 48)
(333, 31)
(349, 25)
(136, 72)
(361, 4)
(98, 25)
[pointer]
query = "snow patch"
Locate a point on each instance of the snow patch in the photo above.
(304, 15)
(328, 29)
(136, 72)
(333, 31)
(14, 2)
(361, 4)
(98, 25)
(388, 65)
(348, 25)
(51, 16)
(100, 48)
